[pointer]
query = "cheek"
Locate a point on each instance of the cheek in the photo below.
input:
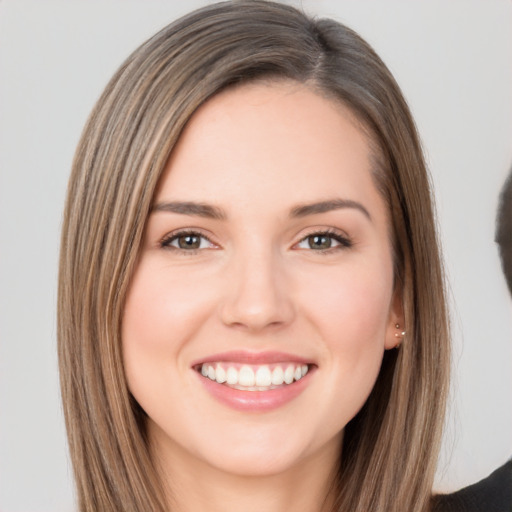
(161, 306)
(354, 306)
(162, 313)
(352, 315)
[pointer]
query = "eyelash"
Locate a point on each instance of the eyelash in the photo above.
(165, 243)
(343, 241)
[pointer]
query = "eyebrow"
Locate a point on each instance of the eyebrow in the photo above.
(327, 206)
(214, 212)
(190, 208)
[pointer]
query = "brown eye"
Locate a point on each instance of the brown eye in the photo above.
(187, 242)
(319, 242)
(324, 241)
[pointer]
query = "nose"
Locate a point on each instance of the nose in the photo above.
(258, 294)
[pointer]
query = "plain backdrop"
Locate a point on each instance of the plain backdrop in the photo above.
(453, 61)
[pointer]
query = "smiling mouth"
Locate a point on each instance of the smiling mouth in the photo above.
(245, 377)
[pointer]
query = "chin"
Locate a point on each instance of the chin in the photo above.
(251, 449)
(258, 462)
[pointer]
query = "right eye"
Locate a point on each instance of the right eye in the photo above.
(187, 241)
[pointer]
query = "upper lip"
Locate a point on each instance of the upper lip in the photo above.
(246, 357)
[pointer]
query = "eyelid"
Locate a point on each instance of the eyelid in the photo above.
(166, 240)
(342, 239)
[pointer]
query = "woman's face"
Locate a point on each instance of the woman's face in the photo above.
(263, 299)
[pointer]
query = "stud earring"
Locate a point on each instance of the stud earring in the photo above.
(400, 335)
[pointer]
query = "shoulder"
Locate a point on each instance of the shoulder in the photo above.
(492, 494)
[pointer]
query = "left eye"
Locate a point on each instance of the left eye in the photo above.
(323, 242)
(187, 242)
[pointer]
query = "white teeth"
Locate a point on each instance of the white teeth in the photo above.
(246, 376)
(263, 376)
(254, 378)
(288, 374)
(277, 376)
(220, 374)
(231, 376)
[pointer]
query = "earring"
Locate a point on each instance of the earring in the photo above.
(400, 335)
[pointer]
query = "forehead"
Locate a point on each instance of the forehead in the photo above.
(281, 142)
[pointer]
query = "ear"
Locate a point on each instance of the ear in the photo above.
(396, 322)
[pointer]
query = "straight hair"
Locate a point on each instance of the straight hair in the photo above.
(390, 448)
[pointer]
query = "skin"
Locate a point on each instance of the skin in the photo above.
(258, 283)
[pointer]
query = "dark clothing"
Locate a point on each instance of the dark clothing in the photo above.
(492, 494)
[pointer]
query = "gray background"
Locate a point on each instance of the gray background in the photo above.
(453, 61)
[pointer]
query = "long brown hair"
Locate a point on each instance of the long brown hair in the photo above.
(390, 448)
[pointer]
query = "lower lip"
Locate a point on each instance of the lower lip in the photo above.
(255, 401)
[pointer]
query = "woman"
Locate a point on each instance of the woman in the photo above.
(251, 304)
